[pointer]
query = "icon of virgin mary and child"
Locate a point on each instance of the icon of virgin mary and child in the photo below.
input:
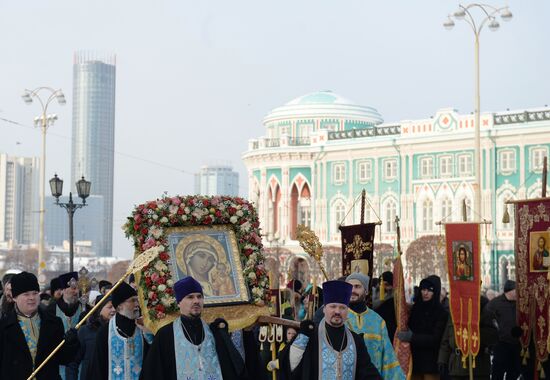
(206, 262)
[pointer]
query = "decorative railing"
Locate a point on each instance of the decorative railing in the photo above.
(365, 132)
(521, 117)
(298, 141)
(272, 143)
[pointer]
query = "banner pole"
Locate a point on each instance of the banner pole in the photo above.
(471, 367)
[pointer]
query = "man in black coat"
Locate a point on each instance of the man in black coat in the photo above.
(329, 350)
(122, 344)
(28, 335)
(506, 353)
(188, 346)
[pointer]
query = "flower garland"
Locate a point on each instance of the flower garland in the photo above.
(147, 227)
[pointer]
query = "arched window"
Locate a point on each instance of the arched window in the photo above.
(446, 209)
(339, 213)
(391, 212)
(427, 215)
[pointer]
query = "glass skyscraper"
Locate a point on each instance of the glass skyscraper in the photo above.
(217, 180)
(94, 83)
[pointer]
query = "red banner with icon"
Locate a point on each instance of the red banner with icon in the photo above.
(532, 247)
(463, 251)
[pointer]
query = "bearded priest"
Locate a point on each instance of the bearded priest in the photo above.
(121, 344)
(329, 351)
(365, 321)
(189, 349)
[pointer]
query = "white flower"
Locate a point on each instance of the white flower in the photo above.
(173, 209)
(187, 210)
(167, 301)
(155, 216)
(164, 219)
(184, 217)
(161, 288)
(234, 219)
(170, 282)
(160, 266)
(240, 213)
(245, 226)
(156, 232)
(252, 275)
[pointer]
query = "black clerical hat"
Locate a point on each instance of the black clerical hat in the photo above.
(23, 282)
(122, 293)
(65, 279)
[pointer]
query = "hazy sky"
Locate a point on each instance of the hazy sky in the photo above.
(195, 78)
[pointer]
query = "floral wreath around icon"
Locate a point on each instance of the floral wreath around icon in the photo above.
(147, 227)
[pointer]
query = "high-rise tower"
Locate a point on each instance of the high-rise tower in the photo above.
(94, 82)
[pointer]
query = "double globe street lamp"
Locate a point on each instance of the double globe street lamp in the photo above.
(488, 17)
(83, 189)
(44, 121)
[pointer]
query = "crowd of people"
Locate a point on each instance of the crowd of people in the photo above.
(340, 335)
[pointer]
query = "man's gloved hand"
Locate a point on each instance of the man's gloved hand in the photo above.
(220, 324)
(71, 336)
(405, 336)
(306, 327)
(273, 365)
(516, 332)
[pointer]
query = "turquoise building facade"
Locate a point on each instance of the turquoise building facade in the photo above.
(319, 151)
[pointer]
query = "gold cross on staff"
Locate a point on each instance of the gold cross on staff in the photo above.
(358, 247)
(474, 339)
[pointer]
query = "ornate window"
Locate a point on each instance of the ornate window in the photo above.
(507, 161)
(339, 214)
(304, 212)
(426, 167)
(446, 166)
(446, 209)
(390, 169)
(364, 171)
(338, 173)
(537, 158)
(427, 215)
(465, 165)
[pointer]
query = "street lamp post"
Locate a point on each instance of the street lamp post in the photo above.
(489, 14)
(83, 189)
(43, 122)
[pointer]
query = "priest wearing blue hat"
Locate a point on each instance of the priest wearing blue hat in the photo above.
(188, 348)
(329, 350)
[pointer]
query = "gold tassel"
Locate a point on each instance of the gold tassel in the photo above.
(473, 361)
(382, 291)
(542, 373)
(464, 359)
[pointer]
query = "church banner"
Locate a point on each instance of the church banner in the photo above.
(402, 349)
(357, 248)
(532, 244)
(463, 263)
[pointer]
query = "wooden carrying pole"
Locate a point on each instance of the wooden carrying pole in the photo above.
(138, 264)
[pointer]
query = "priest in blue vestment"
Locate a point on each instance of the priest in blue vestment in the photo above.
(189, 349)
(365, 321)
(121, 344)
(330, 350)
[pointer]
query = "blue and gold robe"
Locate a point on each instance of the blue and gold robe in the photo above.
(379, 346)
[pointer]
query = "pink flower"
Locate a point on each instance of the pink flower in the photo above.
(176, 201)
(149, 243)
(155, 277)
